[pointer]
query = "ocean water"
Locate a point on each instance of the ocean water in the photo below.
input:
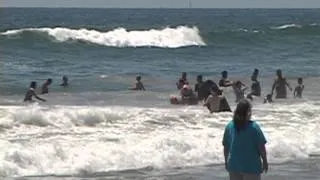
(97, 129)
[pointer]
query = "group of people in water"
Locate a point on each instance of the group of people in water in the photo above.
(212, 96)
(44, 89)
(207, 92)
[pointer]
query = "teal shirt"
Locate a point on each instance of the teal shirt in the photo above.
(243, 147)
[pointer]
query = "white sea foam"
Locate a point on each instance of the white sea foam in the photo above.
(39, 140)
(180, 36)
(286, 26)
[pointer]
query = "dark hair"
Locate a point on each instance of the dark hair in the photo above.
(300, 80)
(241, 114)
(279, 72)
(138, 78)
(33, 84)
(65, 78)
(49, 80)
(184, 74)
(255, 74)
(224, 73)
(199, 77)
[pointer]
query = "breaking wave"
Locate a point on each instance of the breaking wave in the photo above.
(168, 37)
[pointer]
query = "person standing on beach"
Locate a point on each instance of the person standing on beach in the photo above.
(280, 84)
(244, 145)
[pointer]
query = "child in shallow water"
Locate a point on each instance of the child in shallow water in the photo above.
(299, 89)
(64, 81)
(139, 85)
(239, 89)
(268, 99)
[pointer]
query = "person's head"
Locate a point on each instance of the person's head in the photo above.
(184, 75)
(279, 73)
(242, 114)
(268, 98)
(185, 87)
(33, 85)
(49, 81)
(300, 80)
(138, 78)
(65, 79)
(255, 75)
(174, 100)
(224, 74)
(199, 78)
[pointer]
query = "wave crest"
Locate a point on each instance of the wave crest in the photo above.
(168, 37)
(287, 26)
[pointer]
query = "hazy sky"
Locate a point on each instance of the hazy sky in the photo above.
(164, 3)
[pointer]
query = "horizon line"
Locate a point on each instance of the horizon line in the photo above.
(71, 7)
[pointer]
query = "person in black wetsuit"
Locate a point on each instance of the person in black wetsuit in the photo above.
(197, 87)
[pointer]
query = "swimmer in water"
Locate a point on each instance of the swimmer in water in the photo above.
(224, 81)
(239, 89)
(182, 81)
(268, 99)
(255, 86)
(213, 101)
(299, 89)
(198, 86)
(280, 84)
(31, 92)
(187, 95)
(64, 81)
(45, 86)
(139, 85)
